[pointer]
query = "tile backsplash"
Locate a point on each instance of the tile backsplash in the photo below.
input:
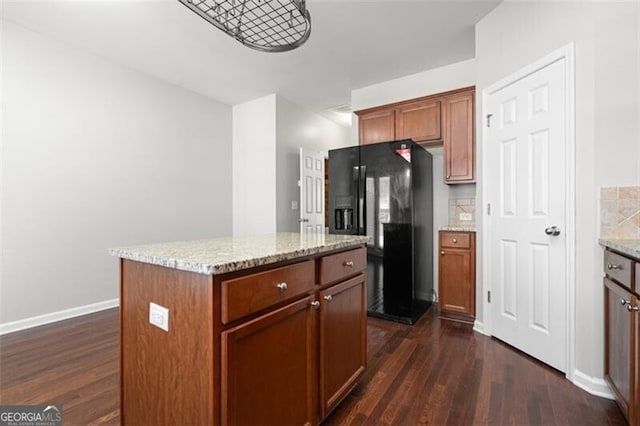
(620, 212)
(462, 212)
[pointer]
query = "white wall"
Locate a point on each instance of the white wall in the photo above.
(438, 80)
(517, 33)
(295, 128)
(95, 155)
(254, 167)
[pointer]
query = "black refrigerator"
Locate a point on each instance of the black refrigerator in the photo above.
(385, 191)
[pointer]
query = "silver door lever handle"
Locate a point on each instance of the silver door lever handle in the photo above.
(554, 231)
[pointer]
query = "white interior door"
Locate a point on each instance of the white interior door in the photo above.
(526, 173)
(311, 191)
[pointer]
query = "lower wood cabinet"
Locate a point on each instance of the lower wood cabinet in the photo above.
(343, 345)
(456, 275)
(269, 368)
(619, 348)
(273, 345)
(622, 335)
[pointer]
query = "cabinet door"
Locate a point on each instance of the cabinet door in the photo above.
(271, 383)
(619, 329)
(343, 344)
(458, 138)
(456, 288)
(377, 127)
(419, 121)
(635, 411)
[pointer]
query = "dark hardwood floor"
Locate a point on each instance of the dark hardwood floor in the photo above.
(436, 372)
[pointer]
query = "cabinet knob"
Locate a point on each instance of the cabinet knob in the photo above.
(611, 266)
(315, 304)
(282, 287)
(632, 308)
(625, 302)
(328, 297)
(442, 253)
(454, 241)
(349, 263)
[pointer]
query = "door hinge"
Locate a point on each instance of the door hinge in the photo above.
(488, 209)
(489, 119)
(489, 296)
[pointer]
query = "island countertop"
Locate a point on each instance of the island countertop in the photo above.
(229, 254)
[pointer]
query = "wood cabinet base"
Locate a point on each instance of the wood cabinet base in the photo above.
(457, 275)
(242, 348)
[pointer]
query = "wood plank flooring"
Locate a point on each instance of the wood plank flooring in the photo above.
(436, 372)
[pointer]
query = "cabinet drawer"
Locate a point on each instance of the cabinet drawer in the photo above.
(455, 239)
(251, 293)
(618, 267)
(342, 265)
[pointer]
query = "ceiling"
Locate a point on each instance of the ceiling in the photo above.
(353, 44)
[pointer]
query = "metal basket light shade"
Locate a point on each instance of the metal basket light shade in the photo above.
(265, 25)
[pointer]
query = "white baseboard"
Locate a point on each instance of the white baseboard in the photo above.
(592, 385)
(23, 324)
(478, 327)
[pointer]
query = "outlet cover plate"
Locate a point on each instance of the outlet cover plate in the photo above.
(466, 216)
(159, 316)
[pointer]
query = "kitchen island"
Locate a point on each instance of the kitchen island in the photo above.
(250, 330)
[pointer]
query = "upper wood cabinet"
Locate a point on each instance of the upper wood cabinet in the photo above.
(444, 118)
(379, 126)
(458, 140)
(419, 121)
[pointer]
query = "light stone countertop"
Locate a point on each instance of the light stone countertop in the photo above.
(458, 228)
(229, 254)
(628, 247)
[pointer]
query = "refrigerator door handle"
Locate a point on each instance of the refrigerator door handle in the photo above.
(362, 226)
(355, 191)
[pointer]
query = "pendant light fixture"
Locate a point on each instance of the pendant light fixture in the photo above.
(265, 25)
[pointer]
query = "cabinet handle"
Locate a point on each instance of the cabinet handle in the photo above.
(315, 304)
(282, 287)
(328, 297)
(349, 263)
(632, 308)
(611, 266)
(625, 302)
(442, 253)
(454, 241)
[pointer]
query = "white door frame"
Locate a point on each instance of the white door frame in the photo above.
(566, 53)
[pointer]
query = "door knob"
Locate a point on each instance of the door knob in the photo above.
(554, 231)
(303, 220)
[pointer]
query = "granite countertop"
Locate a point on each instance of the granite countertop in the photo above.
(458, 228)
(628, 247)
(228, 254)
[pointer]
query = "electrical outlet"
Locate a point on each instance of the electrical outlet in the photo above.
(159, 316)
(294, 205)
(466, 216)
